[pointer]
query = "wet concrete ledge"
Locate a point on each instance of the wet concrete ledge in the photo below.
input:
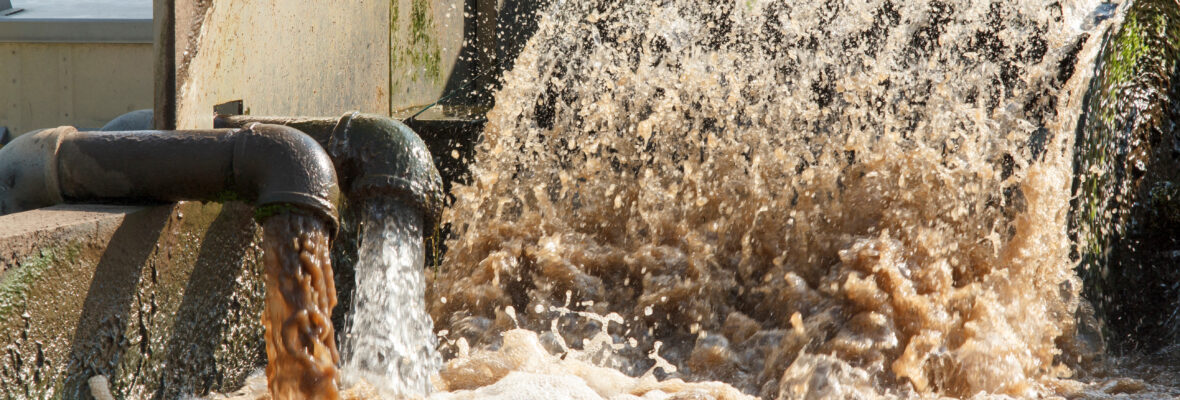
(164, 300)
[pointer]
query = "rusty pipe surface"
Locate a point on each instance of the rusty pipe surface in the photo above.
(263, 164)
(374, 156)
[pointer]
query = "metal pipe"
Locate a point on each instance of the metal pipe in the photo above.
(138, 120)
(374, 156)
(268, 165)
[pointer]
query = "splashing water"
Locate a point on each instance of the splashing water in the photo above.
(798, 198)
(775, 198)
(389, 341)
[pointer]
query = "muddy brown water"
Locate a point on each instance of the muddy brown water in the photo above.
(300, 294)
(779, 199)
(800, 199)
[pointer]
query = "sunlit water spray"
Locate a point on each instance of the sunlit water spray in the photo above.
(389, 341)
(783, 199)
(798, 198)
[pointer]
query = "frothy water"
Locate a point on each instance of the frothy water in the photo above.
(389, 341)
(798, 198)
(774, 198)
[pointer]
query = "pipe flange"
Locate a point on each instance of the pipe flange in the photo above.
(265, 155)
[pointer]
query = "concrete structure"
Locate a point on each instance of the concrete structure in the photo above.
(332, 60)
(74, 62)
(373, 56)
(163, 300)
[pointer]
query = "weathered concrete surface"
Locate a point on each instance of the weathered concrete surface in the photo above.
(45, 85)
(425, 37)
(316, 58)
(286, 58)
(163, 300)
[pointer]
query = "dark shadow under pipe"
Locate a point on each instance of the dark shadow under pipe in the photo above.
(267, 165)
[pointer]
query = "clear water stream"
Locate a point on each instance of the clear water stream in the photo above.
(389, 341)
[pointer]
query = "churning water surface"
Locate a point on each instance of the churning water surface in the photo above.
(781, 199)
(800, 199)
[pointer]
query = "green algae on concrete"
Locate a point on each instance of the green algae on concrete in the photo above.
(422, 49)
(23, 354)
(413, 51)
(164, 301)
(15, 283)
(1127, 158)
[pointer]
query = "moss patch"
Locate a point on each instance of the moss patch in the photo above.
(261, 213)
(414, 52)
(16, 283)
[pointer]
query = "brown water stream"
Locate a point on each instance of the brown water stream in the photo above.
(300, 295)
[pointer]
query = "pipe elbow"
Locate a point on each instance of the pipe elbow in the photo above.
(264, 164)
(380, 156)
(28, 170)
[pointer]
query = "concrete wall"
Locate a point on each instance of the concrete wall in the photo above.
(45, 85)
(162, 300)
(165, 300)
(285, 58)
(425, 39)
(279, 57)
(313, 58)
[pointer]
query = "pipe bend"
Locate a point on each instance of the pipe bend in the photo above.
(380, 156)
(264, 164)
(28, 170)
(374, 156)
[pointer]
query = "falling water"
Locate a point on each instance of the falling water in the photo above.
(773, 198)
(300, 295)
(389, 341)
(859, 198)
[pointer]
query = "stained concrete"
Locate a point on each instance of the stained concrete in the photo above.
(163, 300)
(285, 58)
(425, 38)
(303, 58)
